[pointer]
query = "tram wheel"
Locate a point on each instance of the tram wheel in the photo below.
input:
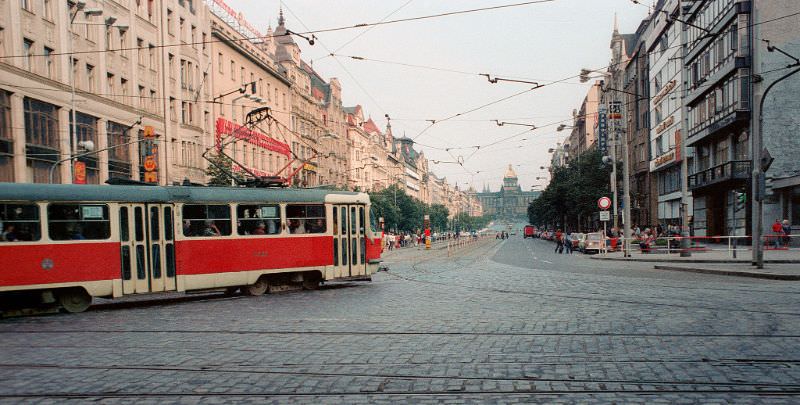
(74, 300)
(257, 288)
(311, 284)
(231, 290)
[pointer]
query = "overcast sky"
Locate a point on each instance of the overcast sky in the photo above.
(539, 42)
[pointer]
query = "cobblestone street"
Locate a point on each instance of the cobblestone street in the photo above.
(498, 321)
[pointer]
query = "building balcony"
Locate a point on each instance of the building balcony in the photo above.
(728, 171)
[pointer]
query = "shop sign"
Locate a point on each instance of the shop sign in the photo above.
(664, 91)
(235, 19)
(665, 124)
(602, 130)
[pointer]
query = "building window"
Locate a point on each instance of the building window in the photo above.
(90, 78)
(153, 60)
(181, 23)
(142, 98)
(27, 52)
(153, 102)
(123, 43)
(6, 139)
(233, 70)
(171, 65)
(26, 5)
(86, 131)
(48, 63)
(172, 109)
(170, 30)
(119, 157)
(193, 37)
(110, 85)
(123, 84)
(41, 139)
(220, 63)
(141, 51)
(48, 10)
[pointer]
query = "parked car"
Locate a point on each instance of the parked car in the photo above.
(592, 242)
(576, 238)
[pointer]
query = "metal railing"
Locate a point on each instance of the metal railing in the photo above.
(734, 169)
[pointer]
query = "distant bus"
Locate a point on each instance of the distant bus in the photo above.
(529, 230)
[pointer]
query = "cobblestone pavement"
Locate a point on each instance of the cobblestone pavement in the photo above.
(498, 322)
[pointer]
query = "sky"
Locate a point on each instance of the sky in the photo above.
(542, 43)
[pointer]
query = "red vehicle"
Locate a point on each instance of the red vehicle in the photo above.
(68, 243)
(529, 231)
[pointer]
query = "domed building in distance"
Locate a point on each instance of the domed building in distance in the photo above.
(510, 202)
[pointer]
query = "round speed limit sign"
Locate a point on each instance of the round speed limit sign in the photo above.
(604, 203)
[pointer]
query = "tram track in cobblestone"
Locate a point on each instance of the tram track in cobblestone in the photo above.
(409, 333)
(458, 395)
(415, 265)
(666, 384)
(543, 360)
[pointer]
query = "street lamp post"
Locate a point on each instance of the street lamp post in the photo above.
(79, 6)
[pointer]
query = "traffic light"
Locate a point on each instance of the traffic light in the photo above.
(740, 200)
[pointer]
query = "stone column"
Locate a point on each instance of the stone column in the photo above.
(18, 135)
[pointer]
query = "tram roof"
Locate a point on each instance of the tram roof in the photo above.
(163, 194)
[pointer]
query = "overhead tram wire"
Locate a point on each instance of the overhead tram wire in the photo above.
(309, 32)
(368, 29)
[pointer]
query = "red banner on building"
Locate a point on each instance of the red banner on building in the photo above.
(227, 128)
(79, 169)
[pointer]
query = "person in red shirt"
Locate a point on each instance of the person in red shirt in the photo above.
(777, 231)
(559, 241)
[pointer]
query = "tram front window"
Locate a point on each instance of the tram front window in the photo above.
(258, 219)
(78, 221)
(19, 223)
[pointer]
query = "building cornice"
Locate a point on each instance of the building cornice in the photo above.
(225, 39)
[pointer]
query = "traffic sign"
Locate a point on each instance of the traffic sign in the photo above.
(604, 203)
(605, 216)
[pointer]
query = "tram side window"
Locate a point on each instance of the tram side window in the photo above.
(19, 223)
(206, 220)
(305, 218)
(258, 219)
(78, 221)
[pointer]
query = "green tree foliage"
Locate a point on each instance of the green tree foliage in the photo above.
(219, 170)
(438, 214)
(572, 193)
(402, 212)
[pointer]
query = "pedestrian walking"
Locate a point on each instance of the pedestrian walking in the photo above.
(787, 232)
(559, 241)
(568, 243)
(777, 232)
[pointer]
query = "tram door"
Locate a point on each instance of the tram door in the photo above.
(147, 248)
(348, 240)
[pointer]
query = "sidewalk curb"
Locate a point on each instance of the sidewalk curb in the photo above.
(665, 260)
(769, 276)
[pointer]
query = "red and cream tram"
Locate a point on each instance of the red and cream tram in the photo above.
(67, 243)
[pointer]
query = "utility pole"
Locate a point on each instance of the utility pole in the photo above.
(685, 234)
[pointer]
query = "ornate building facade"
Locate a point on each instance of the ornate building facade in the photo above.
(510, 202)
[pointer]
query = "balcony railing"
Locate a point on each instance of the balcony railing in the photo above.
(732, 170)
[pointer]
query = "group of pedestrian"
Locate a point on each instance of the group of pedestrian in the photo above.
(781, 233)
(563, 242)
(501, 235)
